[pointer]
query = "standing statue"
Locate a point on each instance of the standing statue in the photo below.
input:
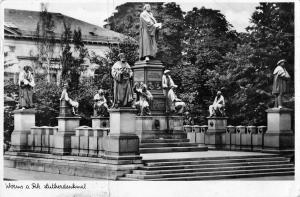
(218, 107)
(280, 86)
(100, 105)
(122, 75)
(26, 83)
(65, 97)
(148, 34)
(167, 85)
(144, 97)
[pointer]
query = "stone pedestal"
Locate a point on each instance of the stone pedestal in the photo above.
(216, 128)
(23, 121)
(122, 143)
(150, 73)
(66, 129)
(279, 137)
(100, 122)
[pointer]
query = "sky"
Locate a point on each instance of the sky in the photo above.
(238, 13)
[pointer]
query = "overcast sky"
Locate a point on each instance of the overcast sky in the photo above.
(95, 11)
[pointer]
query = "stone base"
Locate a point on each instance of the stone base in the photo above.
(121, 145)
(122, 120)
(154, 127)
(279, 136)
(216, 129)
(71, 165)
(24, 119)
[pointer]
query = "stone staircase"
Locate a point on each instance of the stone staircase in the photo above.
(169, 145)
(212, 168)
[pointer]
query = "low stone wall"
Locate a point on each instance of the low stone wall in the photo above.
(240, 138)
(86, 142)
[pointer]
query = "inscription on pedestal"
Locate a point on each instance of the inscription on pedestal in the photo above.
(154, 76)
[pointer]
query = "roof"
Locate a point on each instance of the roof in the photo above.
(23, 23)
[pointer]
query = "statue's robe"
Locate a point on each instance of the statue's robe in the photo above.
(281, 77)
(167, 84)
(26, 84)
(148, 35)
(123, 94)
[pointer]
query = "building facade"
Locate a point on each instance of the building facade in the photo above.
(20, 42)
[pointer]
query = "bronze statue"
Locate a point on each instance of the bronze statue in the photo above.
(65, 97)
(148, 34)
(144, 98)
(26, 83)
(100, 105)
(218, 107)
(280, 82)
(122, 75)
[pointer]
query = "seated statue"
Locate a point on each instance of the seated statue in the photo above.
(218, 107)
(144, 97)
(100, 105)
(177, 105)
(65, 97)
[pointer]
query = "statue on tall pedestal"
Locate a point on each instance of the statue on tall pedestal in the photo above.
(26, 83)
(122, 75)
(148, 34)
(280, 86)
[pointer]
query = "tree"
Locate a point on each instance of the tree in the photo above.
(73, 62)
(272, 33)
(45, 39)
(207, 39)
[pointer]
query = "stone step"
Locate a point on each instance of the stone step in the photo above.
(216, 177)
(169, 144)
(189, 176)
(163, 140)
(151, 169)
(172, 149)
(214, 161)
(212, 169)
(213, 158)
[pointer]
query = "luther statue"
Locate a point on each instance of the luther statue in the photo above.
(148, 34)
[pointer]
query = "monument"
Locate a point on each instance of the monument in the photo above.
(279, 137)
(217, 123)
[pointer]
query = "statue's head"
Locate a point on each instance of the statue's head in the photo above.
(101, 91)
(281, 62)
(147, 7)
(122, 57)
(167, 72)
(66, 85)
(219, 93)
(26, 68)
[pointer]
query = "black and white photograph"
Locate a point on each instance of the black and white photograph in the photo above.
(132, 98)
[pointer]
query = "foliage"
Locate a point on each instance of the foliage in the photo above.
(45, 39)
(128, 47)
(73, 62)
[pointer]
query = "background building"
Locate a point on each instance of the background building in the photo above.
(20, 42)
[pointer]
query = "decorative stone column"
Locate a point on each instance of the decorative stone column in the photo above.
(216, 128)
(279, 137)
(122, 143)
(24, 119)
(150, 73)
(67, 123)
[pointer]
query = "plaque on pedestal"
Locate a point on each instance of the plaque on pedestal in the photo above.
(150, 73)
